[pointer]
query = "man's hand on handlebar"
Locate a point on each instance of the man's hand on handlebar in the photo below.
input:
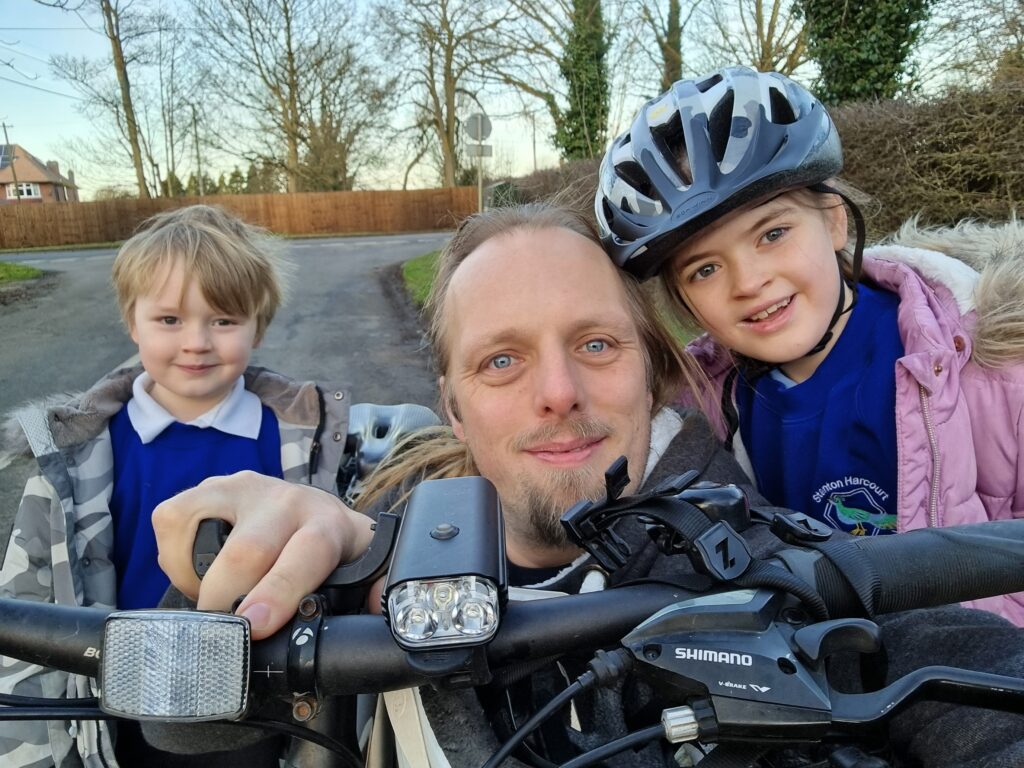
(286, 539)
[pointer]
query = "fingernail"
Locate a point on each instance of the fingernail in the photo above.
(258, 615)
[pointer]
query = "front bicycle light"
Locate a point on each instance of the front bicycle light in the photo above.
(448, 578)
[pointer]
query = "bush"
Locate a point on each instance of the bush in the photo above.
(947, 158)
(573, 183)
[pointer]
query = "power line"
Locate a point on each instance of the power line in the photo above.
(48, 29)
(22, 53)
(44, 90)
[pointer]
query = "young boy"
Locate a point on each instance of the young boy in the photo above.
(197, 288)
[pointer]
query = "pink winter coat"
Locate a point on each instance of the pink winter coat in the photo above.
(960, 384)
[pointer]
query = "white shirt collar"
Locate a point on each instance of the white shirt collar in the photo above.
(240, 413)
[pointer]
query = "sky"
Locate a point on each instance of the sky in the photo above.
(36, 116)
(41, 113)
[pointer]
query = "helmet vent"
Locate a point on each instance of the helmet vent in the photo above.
(634, 175)
(672, 142)
(720, 125)
(706, 85)
(782, 109)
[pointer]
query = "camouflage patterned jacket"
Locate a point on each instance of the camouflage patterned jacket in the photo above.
(62, 540)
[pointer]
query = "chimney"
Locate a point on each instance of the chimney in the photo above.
(71, 176)
(52, 165)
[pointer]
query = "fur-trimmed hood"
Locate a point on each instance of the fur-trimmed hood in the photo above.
(988, 280)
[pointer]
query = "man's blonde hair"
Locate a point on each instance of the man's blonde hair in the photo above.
(437, 453)
(237, 265)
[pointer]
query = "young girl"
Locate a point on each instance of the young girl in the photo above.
(877, 391)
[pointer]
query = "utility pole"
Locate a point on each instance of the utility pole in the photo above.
(14, 173)
(199, 165)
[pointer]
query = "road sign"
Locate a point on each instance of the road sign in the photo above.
(479, 150)
(478, 127)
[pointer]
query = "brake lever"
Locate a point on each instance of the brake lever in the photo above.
(934, 683)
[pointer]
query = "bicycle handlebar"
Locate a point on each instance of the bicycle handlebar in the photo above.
(927, 568)
(357, 653)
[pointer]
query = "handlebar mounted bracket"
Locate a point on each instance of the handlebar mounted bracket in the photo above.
(683, 516)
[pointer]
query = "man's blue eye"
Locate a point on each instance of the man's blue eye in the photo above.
(597, 345)
(501, 361)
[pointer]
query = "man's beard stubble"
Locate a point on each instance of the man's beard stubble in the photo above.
(535, 509)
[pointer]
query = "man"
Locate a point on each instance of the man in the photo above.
(552, 365)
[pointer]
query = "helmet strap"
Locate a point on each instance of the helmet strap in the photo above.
(858, 260)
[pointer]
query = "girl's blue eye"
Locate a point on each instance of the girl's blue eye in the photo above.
(596, 345)
(168, 320)
(774, 234)
(501, 361)
(703, 273)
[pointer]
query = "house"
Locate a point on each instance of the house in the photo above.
(37, 181)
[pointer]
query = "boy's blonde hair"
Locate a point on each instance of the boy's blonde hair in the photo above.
(237, 265)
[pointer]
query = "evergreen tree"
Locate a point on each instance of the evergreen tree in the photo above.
(236, 182)
(581, 133)
(172, 186)
(861, 48)
(263, 178)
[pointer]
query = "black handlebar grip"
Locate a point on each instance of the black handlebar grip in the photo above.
(210, 538)
(926, 568)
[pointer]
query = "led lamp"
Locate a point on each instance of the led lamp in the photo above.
(442, 612)
(448, 580)
(182, 666)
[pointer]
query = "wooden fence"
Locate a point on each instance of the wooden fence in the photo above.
(25, 225)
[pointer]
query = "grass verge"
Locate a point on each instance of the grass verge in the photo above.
(10, 272)
(418, 274)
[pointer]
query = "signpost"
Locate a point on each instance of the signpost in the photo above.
(478, 128)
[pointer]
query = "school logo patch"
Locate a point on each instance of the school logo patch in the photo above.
(854, 504)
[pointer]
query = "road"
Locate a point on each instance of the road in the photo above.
(344, 322)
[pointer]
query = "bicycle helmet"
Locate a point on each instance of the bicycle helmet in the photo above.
(702, 149)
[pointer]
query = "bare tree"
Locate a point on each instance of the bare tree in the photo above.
(766, 35)
(967, 41)
(343, 123)
(665, 23)
(543, 59)
(288, 73)
(176, 89)
(121, 26)
(446, 46)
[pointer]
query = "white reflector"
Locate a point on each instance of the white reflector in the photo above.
(175, 665)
